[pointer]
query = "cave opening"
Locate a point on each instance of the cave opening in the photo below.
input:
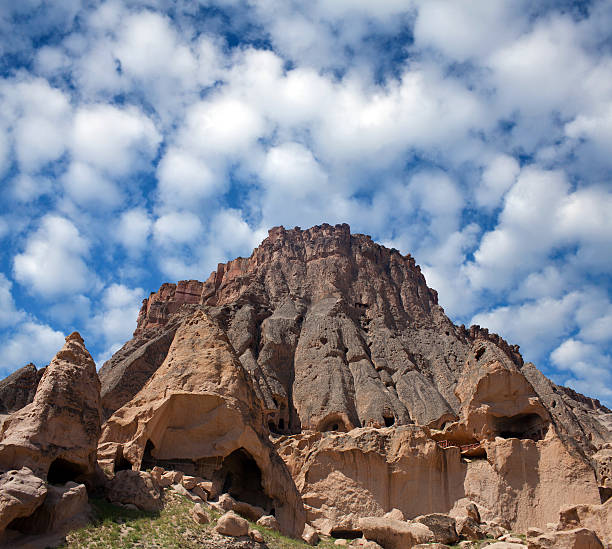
(281, 424)
(389, 420)
(241, 477)
(333, 422)
(523, 426)
(480, 352)
(121, 463)
(62, 471)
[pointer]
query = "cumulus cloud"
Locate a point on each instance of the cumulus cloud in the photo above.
(53, 261)
(31, 342)
(134, 229)
(115, 140)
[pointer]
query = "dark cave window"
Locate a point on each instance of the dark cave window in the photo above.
(242, 479)
(281, 423)
(389, 420)
(62, 471)
(480, 352)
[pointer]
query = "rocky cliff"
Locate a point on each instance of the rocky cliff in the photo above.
(319, 381)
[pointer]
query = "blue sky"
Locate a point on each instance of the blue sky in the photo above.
(146, 141)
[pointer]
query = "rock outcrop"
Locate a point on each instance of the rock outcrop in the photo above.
(56, 435)
(18, 389)
(199, 414)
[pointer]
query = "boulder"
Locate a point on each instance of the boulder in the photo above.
(256, 535)
(200, 514)
(363, 543)
(21, 493)
(394, 534)
(63, 505)
(248, 511)
(468, 528)
(506, 545)
(472, 511)
(442, 526)
(56, 435)
(431, 546)
(230, 524)
(269, 521)
(395, 514)
(180, 489)
(578, 538)
(190, 482)
(200, 492)
(137, 487)
(225, 502)
(310, 535)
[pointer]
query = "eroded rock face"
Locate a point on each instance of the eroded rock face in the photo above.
(21, 492)
(199, 414)
(18, 389)
(56, 435)
(367, 472)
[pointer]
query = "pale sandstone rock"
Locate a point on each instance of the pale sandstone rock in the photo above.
(310, 535)
(468, 528)
(200, 406)
(395, 514)
(594, 517)
(226, 502)
(394, 534)
(137, 487)
(256, 535)
(493, 530)
(63, 505)
(363, 543)
(431, 546)
(200, 492)
(472, 511)
(21, 493)
(341, 542)
(442, 526)
(157, 473)
(269, 521)
(507, 545)
(59, 429)
(180, 489)
(200, 514)
(248, 511)
(230, 524)
(579, 538)
(189, 482)
(534, 532)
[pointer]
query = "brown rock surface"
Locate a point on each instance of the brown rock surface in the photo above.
(21, 492)
(57, 433)
(594, 517)
(199, 413)
(136, 487)
(64, 507)
(230, 524)
(345, 476)
(579, 538)
(18, 389)
(442, 526)
(395, 534)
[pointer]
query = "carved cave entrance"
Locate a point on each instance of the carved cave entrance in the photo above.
(525, 426)
(62, 471)
(241, 477)
(332, 423)
(184, 465)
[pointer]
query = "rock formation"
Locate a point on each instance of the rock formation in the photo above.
(56, 435)
(319, 382)
(199, 413)
(18, 389)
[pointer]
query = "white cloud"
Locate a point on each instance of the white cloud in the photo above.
(90, 188)
(185, 180)
(27, 188)
(499, 175)
(177, 227)
(31, 342)
(117, 141)
(40, 118)
(591, 370)
(133, 229)
(53, 263)
(9, 315)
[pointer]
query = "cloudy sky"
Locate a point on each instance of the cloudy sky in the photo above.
(146, 141)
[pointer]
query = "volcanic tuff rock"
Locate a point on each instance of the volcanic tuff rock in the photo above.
(199, 413)
(56, 435)
(18, 389)
(337, 331)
